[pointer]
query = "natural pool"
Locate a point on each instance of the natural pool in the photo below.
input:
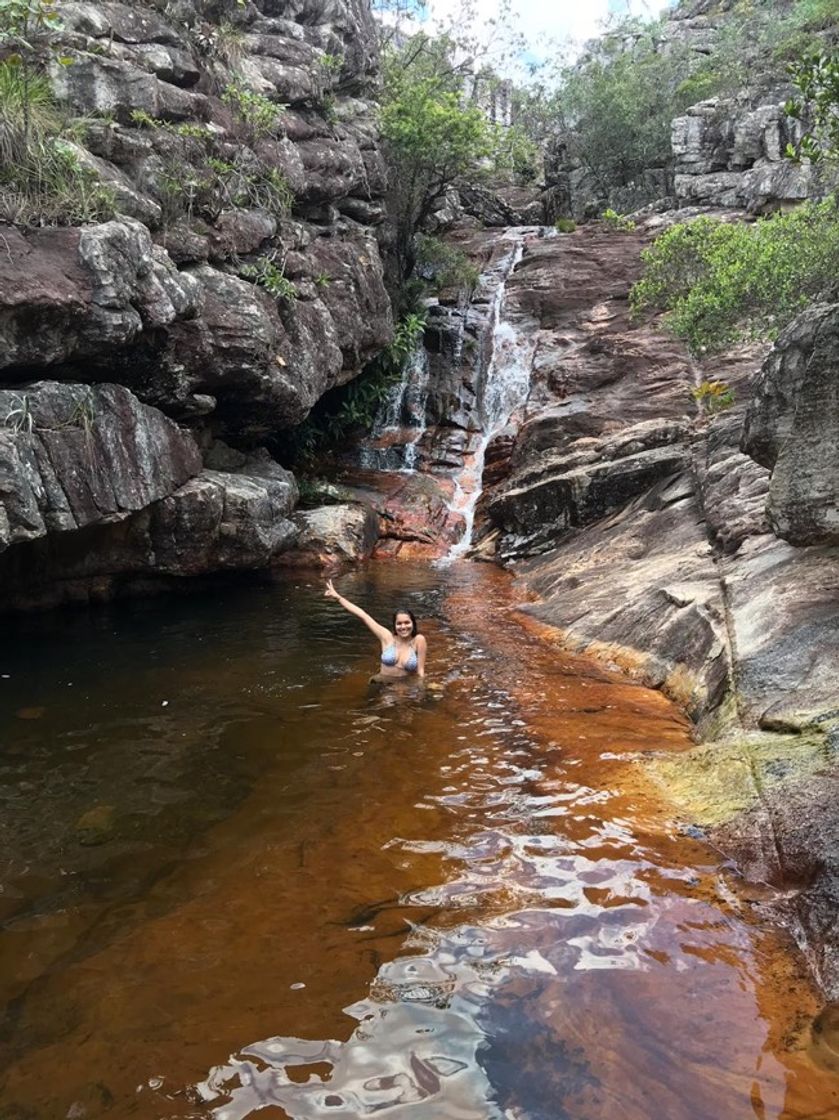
(234, 879)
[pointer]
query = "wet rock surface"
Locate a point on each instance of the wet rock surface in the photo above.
(652, 542)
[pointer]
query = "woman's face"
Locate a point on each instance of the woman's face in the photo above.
(404, 626)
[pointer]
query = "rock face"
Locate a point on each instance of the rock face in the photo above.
(730, 153)
(238, 280)
(726, 151)
(75, 455)
(112, 498)
(644, 529)
(791, 428)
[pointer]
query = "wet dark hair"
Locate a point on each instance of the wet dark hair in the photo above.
(410, 614)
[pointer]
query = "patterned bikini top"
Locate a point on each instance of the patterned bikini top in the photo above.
(390, 657)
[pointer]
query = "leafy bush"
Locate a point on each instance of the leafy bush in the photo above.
(565, 225)
(722, 281)
(331, 65)
(713, 396)
(260, 115)
(817, 79)
(618, 223)
(354, 405)
(270, 276)
(445, 266)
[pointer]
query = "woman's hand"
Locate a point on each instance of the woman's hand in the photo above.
(330, 592)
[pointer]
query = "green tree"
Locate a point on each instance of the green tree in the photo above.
(431, 138)
(618, 104)
(817, 79)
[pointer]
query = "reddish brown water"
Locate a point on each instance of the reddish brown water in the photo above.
(234, 880)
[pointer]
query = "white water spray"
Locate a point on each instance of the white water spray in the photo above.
(502, 389)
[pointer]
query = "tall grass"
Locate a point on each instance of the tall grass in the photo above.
(42, 181)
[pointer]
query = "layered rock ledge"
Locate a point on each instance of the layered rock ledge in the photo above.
(239, 280)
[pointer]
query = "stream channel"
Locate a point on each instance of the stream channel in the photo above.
(235, 882)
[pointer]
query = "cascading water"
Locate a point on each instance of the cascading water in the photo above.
(502, 389)
(402, 412)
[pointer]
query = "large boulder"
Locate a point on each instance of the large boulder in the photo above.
(220, 521)
(331, 535)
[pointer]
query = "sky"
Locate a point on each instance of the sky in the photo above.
(546, 22)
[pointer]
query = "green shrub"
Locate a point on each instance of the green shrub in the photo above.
(565, 225)
(817, 79)
(260, 115)
(619, 223)
(721, 281)
(713, 396)
(270, 276)
(188, 130)
(331, 64)
(445, 266)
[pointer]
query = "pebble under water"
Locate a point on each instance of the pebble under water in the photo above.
(238, 882)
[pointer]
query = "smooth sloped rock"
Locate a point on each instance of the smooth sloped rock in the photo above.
(639, 590)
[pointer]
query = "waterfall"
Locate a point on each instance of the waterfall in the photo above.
(401, 413)
(502, 389)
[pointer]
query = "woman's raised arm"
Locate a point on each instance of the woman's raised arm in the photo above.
(382, 633)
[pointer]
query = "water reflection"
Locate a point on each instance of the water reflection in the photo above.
(482, 880)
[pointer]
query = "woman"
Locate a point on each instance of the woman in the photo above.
(403, 649)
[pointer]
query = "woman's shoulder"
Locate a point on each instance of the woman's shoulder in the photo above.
(420, 641)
